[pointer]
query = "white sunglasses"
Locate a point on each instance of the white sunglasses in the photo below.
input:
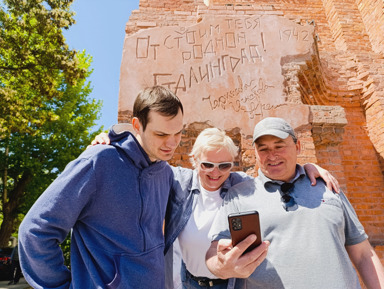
(209, 167)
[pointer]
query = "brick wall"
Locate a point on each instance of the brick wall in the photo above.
(349, 72)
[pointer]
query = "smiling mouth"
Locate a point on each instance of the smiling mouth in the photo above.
(213, 179)
(275, 164)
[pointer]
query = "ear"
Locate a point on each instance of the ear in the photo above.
(136, 124)
(298, 147)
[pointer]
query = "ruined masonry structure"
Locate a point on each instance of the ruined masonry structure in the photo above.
(317, 63)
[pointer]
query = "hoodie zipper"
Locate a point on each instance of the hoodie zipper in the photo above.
(141, 214)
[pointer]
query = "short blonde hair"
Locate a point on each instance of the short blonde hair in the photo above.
(212, 139)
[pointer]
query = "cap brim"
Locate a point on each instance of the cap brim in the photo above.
(274, 132)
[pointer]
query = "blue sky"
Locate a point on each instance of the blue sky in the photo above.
(100, 30)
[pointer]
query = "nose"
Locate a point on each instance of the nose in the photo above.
(272, 154)
(215, 171)
(173, 141)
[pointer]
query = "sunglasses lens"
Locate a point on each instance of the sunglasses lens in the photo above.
(225, 166)
(286, 187)
(207, 166)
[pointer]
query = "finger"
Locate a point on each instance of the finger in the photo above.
(239, 249)
(330, 181)
(101, 138)
(257, 262)
(224, 245)
(334, 184)
(250, 261)
(312, 179)
(337, 186)
(256, 253)
(105, 138)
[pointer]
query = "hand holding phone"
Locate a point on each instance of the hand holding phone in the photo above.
(243, 224)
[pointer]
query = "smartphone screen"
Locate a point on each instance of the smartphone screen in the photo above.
(241, 225)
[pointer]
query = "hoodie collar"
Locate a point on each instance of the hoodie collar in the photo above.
(134, 151)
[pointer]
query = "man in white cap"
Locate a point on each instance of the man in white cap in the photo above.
(315, 236)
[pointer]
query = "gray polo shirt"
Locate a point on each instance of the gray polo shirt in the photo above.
(307, 249)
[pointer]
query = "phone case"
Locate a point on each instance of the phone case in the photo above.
(241, 225)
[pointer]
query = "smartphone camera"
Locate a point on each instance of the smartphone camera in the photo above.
(236, 224)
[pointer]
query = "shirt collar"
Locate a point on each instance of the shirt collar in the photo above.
(195, 186)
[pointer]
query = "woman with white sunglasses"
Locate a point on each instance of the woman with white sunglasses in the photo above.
(212, 156)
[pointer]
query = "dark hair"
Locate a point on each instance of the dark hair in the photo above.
(158, 99)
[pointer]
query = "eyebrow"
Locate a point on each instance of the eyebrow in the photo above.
(164, 133)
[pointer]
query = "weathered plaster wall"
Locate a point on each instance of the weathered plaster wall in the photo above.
(339, 90)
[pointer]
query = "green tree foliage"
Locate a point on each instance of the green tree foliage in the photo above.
(33, 53)
(45, 113)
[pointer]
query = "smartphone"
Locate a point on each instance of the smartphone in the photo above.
(241, 225)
